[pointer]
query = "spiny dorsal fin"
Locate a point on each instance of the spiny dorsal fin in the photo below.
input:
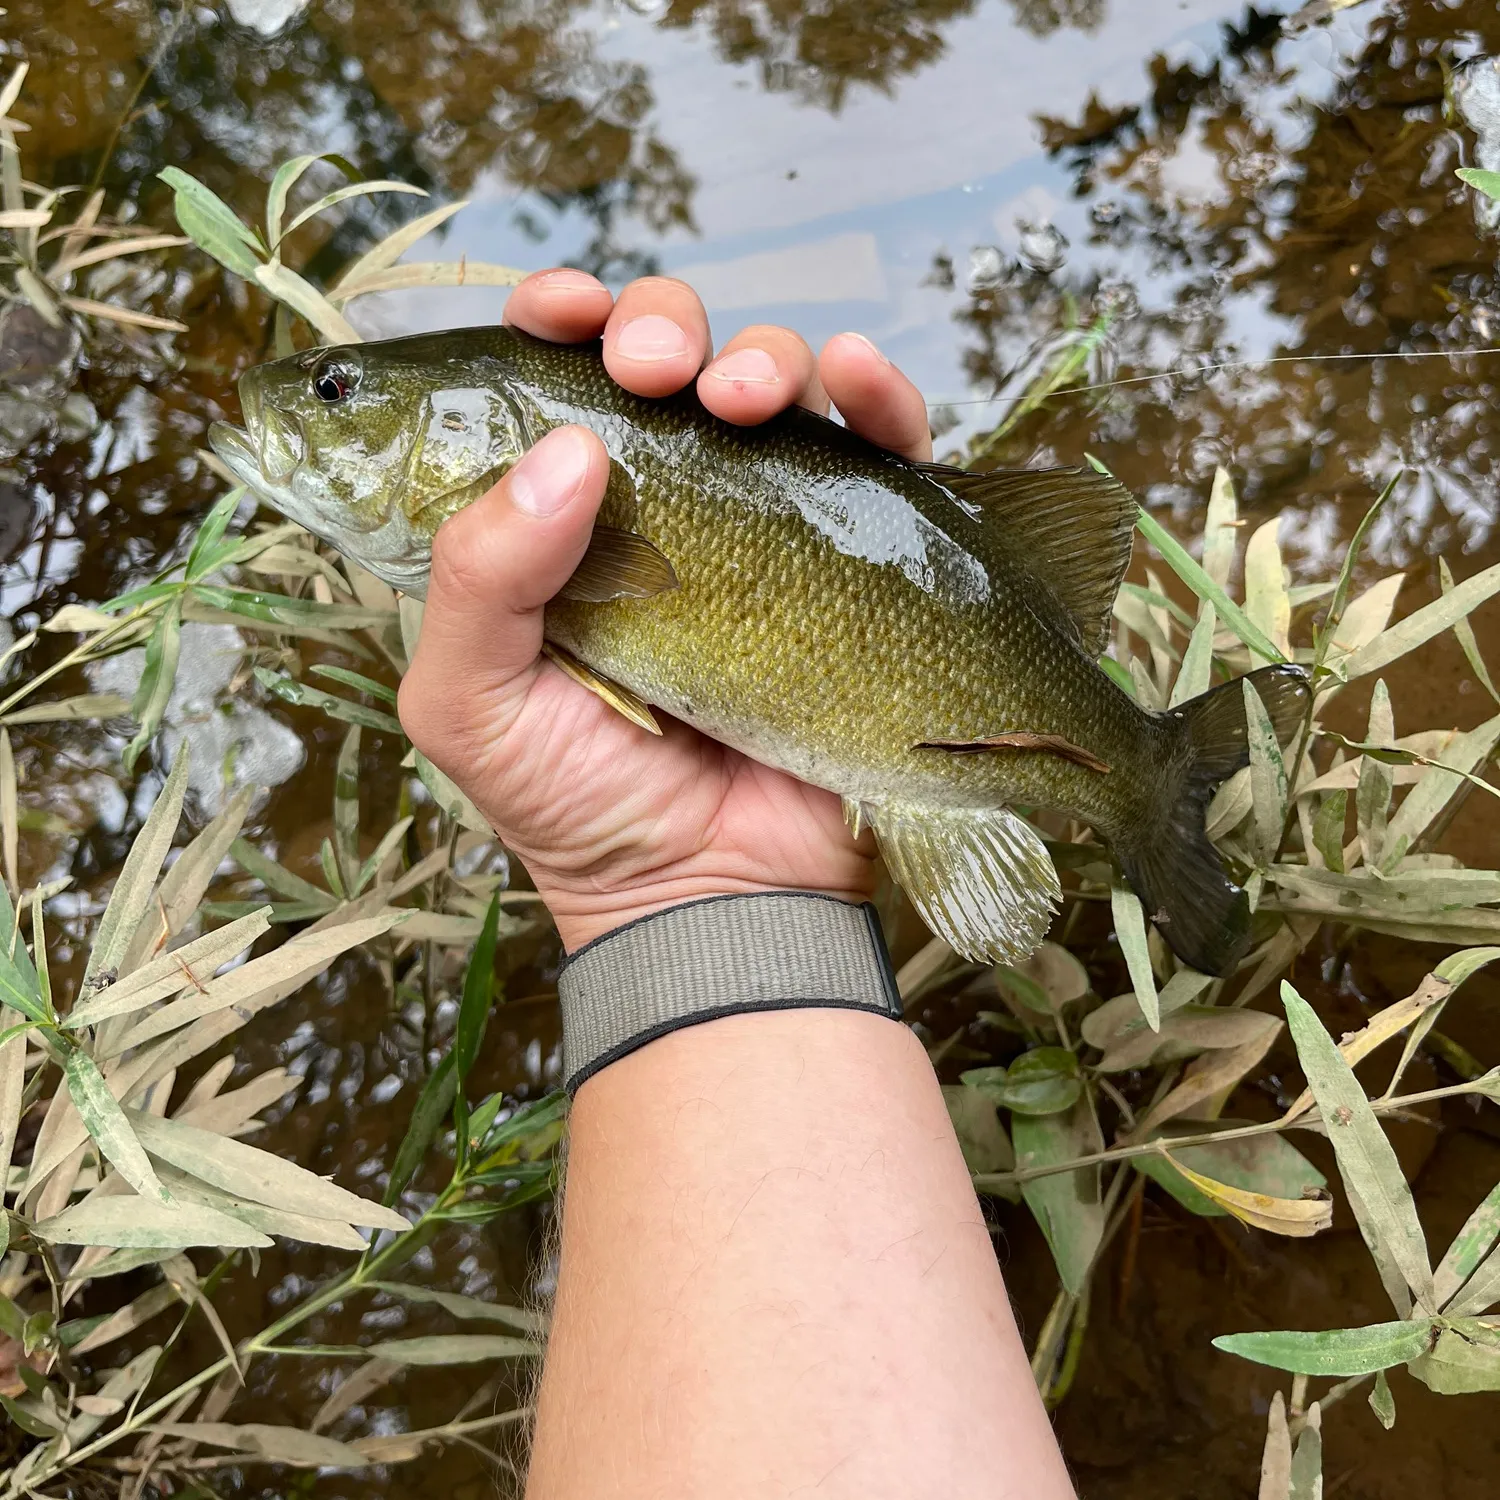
(1071, 527)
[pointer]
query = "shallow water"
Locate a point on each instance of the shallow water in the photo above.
(959, 180)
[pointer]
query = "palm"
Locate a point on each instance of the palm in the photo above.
(602, 804)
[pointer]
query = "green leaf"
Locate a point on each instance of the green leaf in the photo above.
(1382, 1403)
(1176, 556)
(1339, 1351)
(1372, 796)
(1487, 183)
(1042, 1082)
(144, 1222)
(201, 559)
(1267, 1164)
(291, 691)
(1464, 630)
(1307, 1463)
(158, 678)
(981, 1136)
(1196, 673)
(1437, 785)
(1328, 828)
(286, 178)
(277, 877)
(453, 1349)
(282, 1445)
(471, 1309)
(1422, 624)
(378, 856)
(212, 225)
(396, 244)
(1470, 1246)
(431, 1109)
(356, 680)
(1268, 780)
(346, 811)
(1130, 929)
(531, 1120)
(282, 609)
(1465, 1358)
(105, 1121)
(1067, 1205)
(1324, 638)
(341, 195)
(479, 992)
(1378, 1192)
(305, 299)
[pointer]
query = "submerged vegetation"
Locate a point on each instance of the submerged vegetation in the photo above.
(1100, 1071)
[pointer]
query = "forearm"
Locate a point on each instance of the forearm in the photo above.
(776, 1278)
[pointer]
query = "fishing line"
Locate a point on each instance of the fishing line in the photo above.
(1233, 364)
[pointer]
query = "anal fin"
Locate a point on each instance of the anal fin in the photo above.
(981, 878)
(619, 698)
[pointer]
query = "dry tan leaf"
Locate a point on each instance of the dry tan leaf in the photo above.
(127, 1319)
(114, 314)
(352, 1390)
(1209, 1075)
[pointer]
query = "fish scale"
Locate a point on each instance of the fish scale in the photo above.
(917, 638)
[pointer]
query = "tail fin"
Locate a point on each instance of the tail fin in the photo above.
(1172, 866)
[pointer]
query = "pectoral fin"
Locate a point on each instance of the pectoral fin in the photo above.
(621, 699)
(1047, 744)
(619, 565)
(981, 878)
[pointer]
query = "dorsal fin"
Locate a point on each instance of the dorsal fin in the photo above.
(1071, 527)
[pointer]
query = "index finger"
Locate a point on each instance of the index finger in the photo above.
(563, 305)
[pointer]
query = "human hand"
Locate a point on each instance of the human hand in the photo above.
(611, 821)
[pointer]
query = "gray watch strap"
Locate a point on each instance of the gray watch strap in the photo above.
(777, 950)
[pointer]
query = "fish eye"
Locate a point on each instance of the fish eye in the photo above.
(335, 378)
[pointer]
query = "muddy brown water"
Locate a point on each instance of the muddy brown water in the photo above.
(956, 179)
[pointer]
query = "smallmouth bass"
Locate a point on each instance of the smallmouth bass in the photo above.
(919, 639)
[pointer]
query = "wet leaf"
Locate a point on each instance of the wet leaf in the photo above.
(1378, 1192)
(1044, 1081)
(1297, 1218)
(1422, 624)
(346, 811)
(478, 996)
(145, 1222)
(131, 897)
(291, 691)
(282, 609)
(1339, 1351)
(277, 877)
(106, 1123)
(211, 533)
(1067, 1205)
(306, 300)
(212, 225)
(356, 680)
(1466, 1358)
(389, 250)
(471, 1309)
(382, 852)
(976, 1123)
(282, 1445)
(1382, 1403)
(454, 1349)
(1130, 930)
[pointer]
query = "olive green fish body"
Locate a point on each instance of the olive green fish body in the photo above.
(917, 639)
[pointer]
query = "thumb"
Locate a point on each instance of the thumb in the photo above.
(494, 567)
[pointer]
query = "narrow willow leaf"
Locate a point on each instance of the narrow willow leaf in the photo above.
(105, 1121)
(1423, 624)
(430, 273)
(1268, 779)
(36, 291)
(261, 1176)
(1186, 1031)
(343, 194)
(158, 678)
(281, 609)
(330, 863)
(10, 91)
(212, 225)
(1485, 182)
(1470, 1246)
(1432, 792)
(1230, 805)
(1464, 630)
(70, 710)
(1364, 619)
(478, 996)
(356, 680)
(427, 1117)
(454, 1349)
(291, 691)
(1210, 1075)
(1267, 602)
(1378, 1192)
(1382, 1403)
(363, 1381)
(10, 830)
(1130, 929)
(282, 1445)
(382, 852)
(1068, 1205)
(1276, 1457)
(187, 967)
(144, 1222)
(304, 298)
(211, 533)
(1328, 828)
(193, 1192)
(1220, 528)
(1297, 1218)
(1307, 1461)
(1265, 1164)
(125, 1320)
(395, 245)
(277, 877)
(1340, 598)
(131, 896)
(1340, 1351)
(1372, 797)
(471, 1309)
(12, 1087)
(288, 174)
(346, 811)
(1480, 1292)
(1198, 660)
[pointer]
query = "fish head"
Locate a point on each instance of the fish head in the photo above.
(372, 446)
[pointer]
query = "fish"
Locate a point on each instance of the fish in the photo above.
(920, 639)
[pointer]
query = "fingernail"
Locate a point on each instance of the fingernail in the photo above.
(745, 367)
(570, 280)
(552, 474)
(868, 345)
(651, 338)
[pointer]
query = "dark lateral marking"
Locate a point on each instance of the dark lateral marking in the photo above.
(1051, 744)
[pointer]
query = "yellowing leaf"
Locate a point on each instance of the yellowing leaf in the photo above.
(1298, 1218)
